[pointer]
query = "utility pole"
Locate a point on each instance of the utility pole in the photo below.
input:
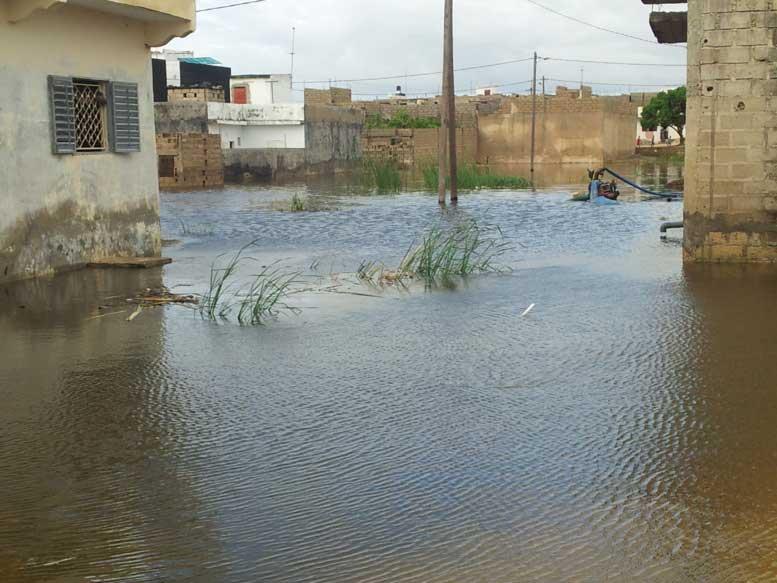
(293, 39)
(448, 112)
(533, 117)
(543, 86)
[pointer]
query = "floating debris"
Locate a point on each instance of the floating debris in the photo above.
(160, 297)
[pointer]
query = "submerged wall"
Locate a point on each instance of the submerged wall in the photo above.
(61, 211)
(731, 149)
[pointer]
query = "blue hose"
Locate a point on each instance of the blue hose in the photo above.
(642, 189)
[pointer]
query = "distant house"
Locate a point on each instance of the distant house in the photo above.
(78, 164)
(261, 89)
(182, 69)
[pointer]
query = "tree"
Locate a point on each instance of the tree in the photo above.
(666, 110)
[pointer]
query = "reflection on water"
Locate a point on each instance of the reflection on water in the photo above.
(619, 432)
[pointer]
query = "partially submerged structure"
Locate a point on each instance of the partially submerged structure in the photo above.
(77, 142)
(731, 148)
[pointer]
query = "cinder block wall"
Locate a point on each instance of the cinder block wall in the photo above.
(731, 150)
(591, 130)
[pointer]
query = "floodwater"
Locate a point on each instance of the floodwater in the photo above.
(623, 430)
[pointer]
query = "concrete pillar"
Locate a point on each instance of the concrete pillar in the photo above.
(731, 151)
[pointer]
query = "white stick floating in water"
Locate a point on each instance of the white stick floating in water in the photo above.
(529, 309)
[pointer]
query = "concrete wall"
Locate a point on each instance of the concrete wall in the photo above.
(731, 149)
(591, 130)
(332, 134)
(61, 211)
(263, 164)
(183, 117)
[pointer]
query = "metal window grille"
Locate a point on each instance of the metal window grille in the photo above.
(89, 106)
(167, 166)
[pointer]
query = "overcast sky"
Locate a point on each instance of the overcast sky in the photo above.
(352, 39)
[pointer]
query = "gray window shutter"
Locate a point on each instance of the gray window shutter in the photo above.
(125, 117)
(63, 125)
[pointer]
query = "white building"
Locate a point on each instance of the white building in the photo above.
(280, 125)
(647, 138)
(261, 89)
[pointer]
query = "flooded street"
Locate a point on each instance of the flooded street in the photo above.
(623, 430)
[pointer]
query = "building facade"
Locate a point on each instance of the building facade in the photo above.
(261, 89)
(77, 141)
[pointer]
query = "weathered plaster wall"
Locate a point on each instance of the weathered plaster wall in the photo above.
(731, 149)
(263, 164)
(333, 133)
(181, 117)
(591, 130)
(61, 211)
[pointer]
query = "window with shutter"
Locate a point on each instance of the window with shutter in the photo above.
(63, 126)
(125, 117)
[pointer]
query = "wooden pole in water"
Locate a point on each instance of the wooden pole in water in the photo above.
(445, 108)
(533, 117)
(451, 94)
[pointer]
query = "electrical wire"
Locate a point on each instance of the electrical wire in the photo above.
(413, 75)
(613, 62)
(597, 27)
(229, 6)
(587, 82)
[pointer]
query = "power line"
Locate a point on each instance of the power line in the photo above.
(613, 63)
(229, 6)
(404, 75)
(583, 22)
(616, 84)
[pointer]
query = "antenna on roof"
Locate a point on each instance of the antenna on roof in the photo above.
(293, 39)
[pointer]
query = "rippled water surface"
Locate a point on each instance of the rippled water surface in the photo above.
(624, 430)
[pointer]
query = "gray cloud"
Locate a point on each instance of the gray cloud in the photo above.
(349, 39)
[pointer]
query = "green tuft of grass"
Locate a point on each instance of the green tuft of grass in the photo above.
(382, 175)
(473, 177)
(402, 119)
(442, 254)
(256, 303)
(262, 299)
(298, 204)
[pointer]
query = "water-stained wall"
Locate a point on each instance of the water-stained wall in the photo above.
(61, 211)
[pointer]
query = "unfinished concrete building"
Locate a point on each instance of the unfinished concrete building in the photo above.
(731, 150)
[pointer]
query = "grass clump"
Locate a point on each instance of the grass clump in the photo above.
(256, 302)
(382, 175)
(402, 119)
(262, 299)
(473, 177)
(298, 204)
(460, 251)
(202, 230)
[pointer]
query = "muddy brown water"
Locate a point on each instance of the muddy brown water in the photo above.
(624, 430)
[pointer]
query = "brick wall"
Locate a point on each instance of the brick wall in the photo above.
(190, 161)
(177, 94)
(332, 96)
(415, 147)
(731, 151)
